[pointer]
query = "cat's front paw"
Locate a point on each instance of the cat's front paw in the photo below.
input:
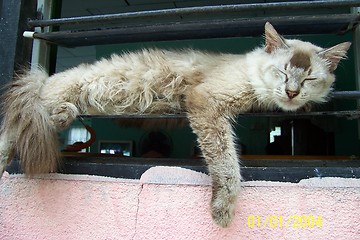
(2, 169)
(222, 212)
(223, 202)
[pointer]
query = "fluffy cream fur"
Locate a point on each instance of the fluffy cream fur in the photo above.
(210, 87)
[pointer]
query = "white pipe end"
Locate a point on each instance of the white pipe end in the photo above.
(28, 34)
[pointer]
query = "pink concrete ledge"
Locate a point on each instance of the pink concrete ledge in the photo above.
(172, 203)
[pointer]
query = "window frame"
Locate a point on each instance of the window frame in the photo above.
(260, 169)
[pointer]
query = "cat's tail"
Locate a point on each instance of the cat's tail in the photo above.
(27, 129)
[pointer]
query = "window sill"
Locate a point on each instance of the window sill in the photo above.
(255, 168)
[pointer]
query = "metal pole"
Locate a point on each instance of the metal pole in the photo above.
(196, 10)
(346, 94)
(292, 138)
(212, 28)
(351, 114)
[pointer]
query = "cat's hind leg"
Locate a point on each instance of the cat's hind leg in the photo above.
(63, 115)
(216, 140)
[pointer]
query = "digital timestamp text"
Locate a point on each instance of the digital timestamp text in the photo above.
(278, 221)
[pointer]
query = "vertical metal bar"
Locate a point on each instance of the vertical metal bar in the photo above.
(41, 49)
(15, 50)
(10, 15)
(292, 138)
(356, 46)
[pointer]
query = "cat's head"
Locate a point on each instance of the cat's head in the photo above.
(299, 72)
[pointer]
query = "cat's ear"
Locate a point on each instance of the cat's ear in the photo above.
(334, 54)
(273, 40)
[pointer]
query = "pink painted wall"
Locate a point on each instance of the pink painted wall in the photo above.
(172, 203)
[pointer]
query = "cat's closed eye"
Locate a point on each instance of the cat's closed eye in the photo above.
(280, 74)
(308, 79)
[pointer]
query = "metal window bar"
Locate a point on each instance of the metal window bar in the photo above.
(217, 28)
(234, 8)
(181, 30)
(349, 114)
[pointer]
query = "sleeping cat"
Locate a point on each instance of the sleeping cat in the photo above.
(212, 88)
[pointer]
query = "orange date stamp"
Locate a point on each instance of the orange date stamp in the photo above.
(279, 221)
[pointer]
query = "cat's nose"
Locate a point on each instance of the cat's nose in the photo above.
(292, 94)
